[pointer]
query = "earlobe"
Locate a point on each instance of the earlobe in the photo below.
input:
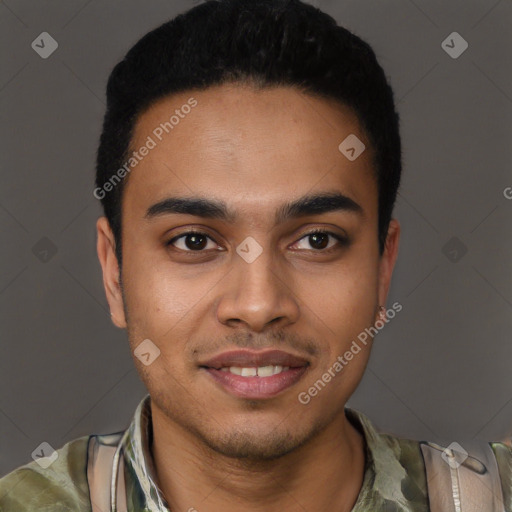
(110, 267)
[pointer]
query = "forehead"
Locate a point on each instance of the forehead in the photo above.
(246, 147)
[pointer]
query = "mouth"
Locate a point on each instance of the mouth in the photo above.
(255, 375)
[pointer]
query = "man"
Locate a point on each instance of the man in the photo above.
(248, 168)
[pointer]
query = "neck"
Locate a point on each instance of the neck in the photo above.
(324, 474)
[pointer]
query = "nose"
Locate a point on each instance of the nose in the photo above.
(257, 294)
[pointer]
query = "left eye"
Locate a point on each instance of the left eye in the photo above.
(319, 240)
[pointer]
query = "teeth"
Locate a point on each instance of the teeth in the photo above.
(251, 371)
(265, 371)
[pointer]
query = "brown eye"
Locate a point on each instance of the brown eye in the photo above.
(319, 240)
(323, 241)
(192, 241)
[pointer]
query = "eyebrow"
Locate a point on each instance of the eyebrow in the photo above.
(314, 204)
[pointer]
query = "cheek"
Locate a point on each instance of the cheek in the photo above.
(164, 305)
(342, 296)
(157, 293)
(341, 305)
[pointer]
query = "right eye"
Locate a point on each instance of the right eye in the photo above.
(192, 241)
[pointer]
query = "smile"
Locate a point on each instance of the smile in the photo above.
(255, 374)
(260, 371)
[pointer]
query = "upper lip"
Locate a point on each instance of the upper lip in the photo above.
(248, 358)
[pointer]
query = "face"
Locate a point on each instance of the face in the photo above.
(249, 241)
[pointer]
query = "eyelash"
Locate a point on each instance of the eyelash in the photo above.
(342, 241)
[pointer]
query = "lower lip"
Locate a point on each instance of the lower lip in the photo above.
(257, 387)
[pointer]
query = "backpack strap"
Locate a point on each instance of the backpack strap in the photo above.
(460, 482)
(100, 460)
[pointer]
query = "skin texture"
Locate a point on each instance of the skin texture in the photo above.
(255, 150)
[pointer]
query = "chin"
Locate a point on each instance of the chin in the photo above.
(247, 436)
(253, 447)
(257, 442)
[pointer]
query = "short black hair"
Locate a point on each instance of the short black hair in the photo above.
(266, 43)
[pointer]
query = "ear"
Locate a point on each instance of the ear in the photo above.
(107, 256)
(387, 260)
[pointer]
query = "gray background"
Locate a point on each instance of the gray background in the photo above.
(441, 370)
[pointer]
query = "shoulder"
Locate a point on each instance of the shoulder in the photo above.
(62, 486)
(404, 466)
(408, 452)
(409, 456)
(415, 485)
(396, 468)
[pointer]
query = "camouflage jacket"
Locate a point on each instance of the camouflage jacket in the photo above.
(394, 478)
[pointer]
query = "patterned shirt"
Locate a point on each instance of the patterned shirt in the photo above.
(394, 475)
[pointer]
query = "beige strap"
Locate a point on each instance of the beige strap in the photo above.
(459, 484)
(99, 473)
